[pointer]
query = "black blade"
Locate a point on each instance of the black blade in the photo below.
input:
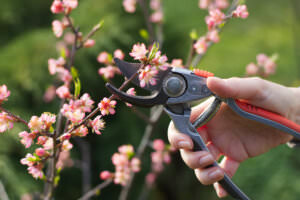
(129, 69)
(145, 101)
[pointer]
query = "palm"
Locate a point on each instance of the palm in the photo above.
(240, 138)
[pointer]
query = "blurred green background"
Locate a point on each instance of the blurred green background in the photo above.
(27, 41)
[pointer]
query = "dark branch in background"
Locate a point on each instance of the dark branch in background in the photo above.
(85, 163)
(232, 7)
(146, 14)
(96, 190)
(155, 113)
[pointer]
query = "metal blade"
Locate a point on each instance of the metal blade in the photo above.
(129, 69)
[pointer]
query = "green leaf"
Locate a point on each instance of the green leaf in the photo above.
(144, 34)
(194, 35)
(100, 24)
(74, 73)
(77, 84)
(56, 180)
(275, 57)
(154, 50)
(63, 53)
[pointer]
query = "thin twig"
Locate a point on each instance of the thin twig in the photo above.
(96, 190)
(232, 7)
(19, 119)
(147, 19)
(141, 115)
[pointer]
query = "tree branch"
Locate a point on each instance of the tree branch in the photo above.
(96, 190)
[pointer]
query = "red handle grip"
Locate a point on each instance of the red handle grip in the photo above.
(268, 115)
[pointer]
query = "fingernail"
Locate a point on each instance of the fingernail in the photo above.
(206, 159)
(216, 174)
(184, 145)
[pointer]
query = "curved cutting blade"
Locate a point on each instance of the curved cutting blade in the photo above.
(129, 69)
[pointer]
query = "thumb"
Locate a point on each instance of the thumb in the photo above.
(237, 88)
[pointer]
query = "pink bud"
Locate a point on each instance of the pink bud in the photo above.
(57, 28)
(241, 11)
(251, 69)
(158, 145)
(105, 175)
(40, 152)
(103, 57)
(57, 7)
(89, 43)
(63, 92)
(119, 54)
(150, 178)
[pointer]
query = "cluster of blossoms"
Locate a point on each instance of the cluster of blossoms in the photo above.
(41, 128)
(125, 163)
(215, 18)
(265, 66)
(155, 5)
(160, 156)
(110, 69)
(153, 61)
(6, 121)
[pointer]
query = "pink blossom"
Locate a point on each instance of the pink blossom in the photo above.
(86, 103)
(29, 160)
(204, 4)
(81, 131)
(147, 76)
(119, 54)
(270, 67)
(4, 93)
(63, 92)
(97, 124)
(48, 145)
(71, 4)
(105, 175)
(241, 11)
(57, 7)
(126, 149)
(40, 152)
(89, 43)
(129, 5)
(109, 71)
(107, 106)
(49, 94)
(160, 61)
(36, 124)
(75, 116)
(252, 69)
(27, 138)
(36, 171)
(130, 91)
(26, 197)
(261, 59)
(64, 160)
(42, 140)
(64, 75)
(69, 38)
(66, 145)
(158, 145)
(201, 45)
(213, 36)
(48, 119)
(57, 28)
(221, 4)
(103, 57)
(150, 178)
(55, 65)
(135, 164)
(215, 18)
(155, 4)
(157, 17)
(139, 51)
(65, 136)
(125, 164)
(6, 122)
(177, 63)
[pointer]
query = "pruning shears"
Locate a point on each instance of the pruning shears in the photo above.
(176, 88)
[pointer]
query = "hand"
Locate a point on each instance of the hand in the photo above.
(235, 137)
